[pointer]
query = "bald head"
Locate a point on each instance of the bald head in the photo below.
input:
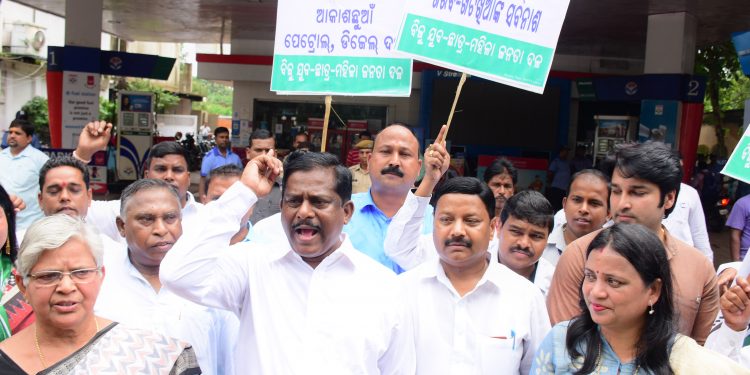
(394, 163)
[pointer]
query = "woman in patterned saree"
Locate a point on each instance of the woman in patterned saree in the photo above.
(59, 272)
(628, 321)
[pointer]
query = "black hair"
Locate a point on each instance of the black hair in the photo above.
(468, 186)
(530, 206)
(10, 218)
(309, 146)
(227, 170)
(593, 173)
(24, 124)
(642, 249)
(501, 166)
(163, 149)
(142, 185)
(259, 134)
(63, 161)
(220, 130)
(304, 161)
(365, 134)
(653, 162)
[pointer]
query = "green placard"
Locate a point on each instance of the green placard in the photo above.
(738, 166)
(341, 75)
(475, 51)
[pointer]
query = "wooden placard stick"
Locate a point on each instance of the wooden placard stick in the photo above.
(453, 108)
(325, 124)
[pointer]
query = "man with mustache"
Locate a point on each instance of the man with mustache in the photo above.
(471, 314)
(310, 305)
(645, 183)
(501, 176)
(394, 165)
(19, 170)
(150, 222)
(166, 161)
(526, 221)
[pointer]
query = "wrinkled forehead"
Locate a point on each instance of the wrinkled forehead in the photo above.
(155, 200)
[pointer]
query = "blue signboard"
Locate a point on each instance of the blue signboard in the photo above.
(741, 42)
(680, 87)
(94, 60)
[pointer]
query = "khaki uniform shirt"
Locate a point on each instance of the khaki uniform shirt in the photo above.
(360, 179)
(696, 292)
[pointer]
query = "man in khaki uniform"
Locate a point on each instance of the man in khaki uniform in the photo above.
(360, 176)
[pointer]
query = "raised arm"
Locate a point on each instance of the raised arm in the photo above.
(94, 137)
(728, 338)
(402, 239)
(198, 268)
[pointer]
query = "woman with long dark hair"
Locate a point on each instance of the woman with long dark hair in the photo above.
(10, 299)
(628, 320)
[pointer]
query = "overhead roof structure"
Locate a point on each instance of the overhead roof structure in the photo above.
(614, 28)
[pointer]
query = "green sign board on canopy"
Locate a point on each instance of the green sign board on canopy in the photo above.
(339, 47)
(738, 166)
(511, 42)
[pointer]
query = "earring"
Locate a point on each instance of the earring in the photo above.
(7, 246)
(651, 311)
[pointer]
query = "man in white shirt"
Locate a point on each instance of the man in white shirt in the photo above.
(315, 305)
(585, 209)
(132, 293)
(687, 221)
(166, 161)
(525, 224)
(472, 315)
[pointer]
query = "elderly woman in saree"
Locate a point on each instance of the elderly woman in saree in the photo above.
(628, 321)
(59, 272)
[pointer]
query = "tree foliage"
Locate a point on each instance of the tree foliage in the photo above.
(37, 112)
(218, 97)
(726, 87)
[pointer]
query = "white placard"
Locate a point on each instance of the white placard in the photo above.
(80, 104)
(339, 47)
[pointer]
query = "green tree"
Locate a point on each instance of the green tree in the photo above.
(218, 97)
(107, 111)
(38, 114)
(718, 62)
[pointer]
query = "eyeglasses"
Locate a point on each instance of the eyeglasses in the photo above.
(53, 278)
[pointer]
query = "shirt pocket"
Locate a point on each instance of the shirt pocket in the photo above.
(502, 353)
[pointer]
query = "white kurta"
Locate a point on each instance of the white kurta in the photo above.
(346, 316)
(494, 329)
(128, 298)
(687, 221)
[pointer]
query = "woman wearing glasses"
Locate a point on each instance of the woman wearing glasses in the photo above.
(59, 272)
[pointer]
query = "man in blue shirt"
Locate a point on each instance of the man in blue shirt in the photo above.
(220, 155)
(394, 166)
(19, 170)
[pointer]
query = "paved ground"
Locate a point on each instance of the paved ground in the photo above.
(720, 245)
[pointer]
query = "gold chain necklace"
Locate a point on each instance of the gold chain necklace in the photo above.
(39, 350)
(599, 360)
